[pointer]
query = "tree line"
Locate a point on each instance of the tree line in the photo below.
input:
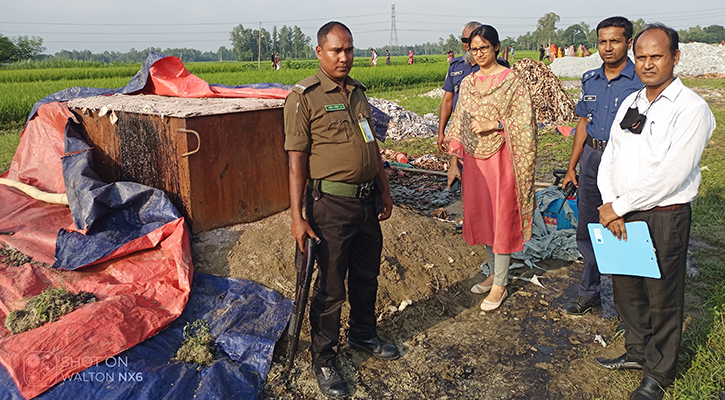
(249, 44)
(546, 33)
(20, 48)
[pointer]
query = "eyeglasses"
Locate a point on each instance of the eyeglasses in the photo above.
(483, 49)
(465, 40)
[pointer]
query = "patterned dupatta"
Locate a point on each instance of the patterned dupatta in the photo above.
(504, 97)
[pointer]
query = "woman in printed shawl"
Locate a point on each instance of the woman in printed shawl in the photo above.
(493, 133)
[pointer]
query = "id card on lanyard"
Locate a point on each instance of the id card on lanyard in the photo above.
(366, 131)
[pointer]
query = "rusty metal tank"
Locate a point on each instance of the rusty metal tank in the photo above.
(221, 161)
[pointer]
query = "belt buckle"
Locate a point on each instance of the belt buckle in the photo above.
(599, 144)
(364, 189)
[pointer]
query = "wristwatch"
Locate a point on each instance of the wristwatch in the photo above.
(500, 125)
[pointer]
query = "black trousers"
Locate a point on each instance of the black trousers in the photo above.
(652, 309)
(351, 244)
(588, 201)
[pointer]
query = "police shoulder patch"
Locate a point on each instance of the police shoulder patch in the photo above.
(305, 84)
(359, 84)
(589, 75)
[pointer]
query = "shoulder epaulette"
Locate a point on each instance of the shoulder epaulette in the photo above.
(359, 84)
(589, 75)
(305, 84)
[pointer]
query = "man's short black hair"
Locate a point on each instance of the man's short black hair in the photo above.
(325, 29)
(671, 35)
(617, 22)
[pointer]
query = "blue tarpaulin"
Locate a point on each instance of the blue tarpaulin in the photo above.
(246, 320)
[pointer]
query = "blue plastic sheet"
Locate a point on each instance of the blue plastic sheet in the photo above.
(111, 214)
(246, 319)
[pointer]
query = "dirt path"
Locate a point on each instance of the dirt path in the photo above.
(452, 350)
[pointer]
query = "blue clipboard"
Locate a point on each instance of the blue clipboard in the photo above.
(634, 257)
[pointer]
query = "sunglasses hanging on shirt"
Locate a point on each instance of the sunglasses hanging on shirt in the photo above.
(633, 120)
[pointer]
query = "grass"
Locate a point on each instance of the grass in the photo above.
(702, 360)
(9, 140)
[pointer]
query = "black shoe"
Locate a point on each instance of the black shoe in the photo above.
(330, 382)
(622, 362)
(620, 329)
(648, 389)
(581, 306)
(378, 347)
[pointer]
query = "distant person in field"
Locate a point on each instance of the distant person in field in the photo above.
(387, 57)
(450, 57)
(512, 55)
(458, 69)
(410, 57)
(560, 52)
(650, 172)
(374, 58)
(493, 131)
(505, 53)
(552, 52)
(277, 61)
(603, 90)
(274, 63)
(541, 52)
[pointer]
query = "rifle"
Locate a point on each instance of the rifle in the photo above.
(304, 263)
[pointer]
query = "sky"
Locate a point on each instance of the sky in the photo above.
(114, 25)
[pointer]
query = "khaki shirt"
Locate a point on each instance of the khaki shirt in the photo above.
(331, 135)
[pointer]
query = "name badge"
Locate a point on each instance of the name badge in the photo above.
(590, 97)
(334, 107)
(456, 73)
(366, 131)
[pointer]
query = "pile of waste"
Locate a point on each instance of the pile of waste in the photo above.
(434, 94)
(695, 59)
(551, 102)
(46, 307)
(198, 346)
(406, 124)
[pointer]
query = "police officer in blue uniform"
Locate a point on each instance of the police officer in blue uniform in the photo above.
(603, 90)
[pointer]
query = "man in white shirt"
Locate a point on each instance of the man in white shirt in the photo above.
(650, 172)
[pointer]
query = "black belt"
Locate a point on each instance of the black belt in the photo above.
(596, 144)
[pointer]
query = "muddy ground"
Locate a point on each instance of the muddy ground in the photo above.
(451, 350)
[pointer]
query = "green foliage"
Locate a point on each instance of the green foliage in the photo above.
(545, 32)
(28, 47)
(20, 48)
(7, 49)
(290, 42)
(708, 34)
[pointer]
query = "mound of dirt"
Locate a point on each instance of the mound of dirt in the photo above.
(46, 307)
(450, 348)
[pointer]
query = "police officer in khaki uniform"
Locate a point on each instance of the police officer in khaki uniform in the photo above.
(334, 162)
